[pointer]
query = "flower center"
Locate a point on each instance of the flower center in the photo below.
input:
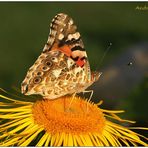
(69, 115)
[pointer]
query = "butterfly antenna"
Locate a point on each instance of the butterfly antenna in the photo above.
(105, 53)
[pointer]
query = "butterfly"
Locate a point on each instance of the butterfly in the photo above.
(63, 67)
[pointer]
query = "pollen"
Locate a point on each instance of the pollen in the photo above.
(68, 115)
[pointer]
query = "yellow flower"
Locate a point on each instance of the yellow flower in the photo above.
(67, 121)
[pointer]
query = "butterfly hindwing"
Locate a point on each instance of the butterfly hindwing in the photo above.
(54, 74)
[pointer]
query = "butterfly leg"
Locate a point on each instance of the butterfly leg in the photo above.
(73, 95)
(89, 91)
(91, 94)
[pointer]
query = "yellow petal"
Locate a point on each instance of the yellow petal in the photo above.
(125, 142)
(42, 140)
(10, 142)
(14, 100)
(88, 141)
(53, 139)
(78, 140)
(60, 140)
(16, 109)
(17, 123)
(94, 140)
(103, 140)
(65, 142)
(20, 127)
(48, 140)
(110, 138)
(75, 142)
(15, 116)
(70, 140)
(8, 123)
(31, 138)
(83, 140)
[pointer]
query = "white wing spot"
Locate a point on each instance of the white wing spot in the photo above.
(74, 36)
(53, 32)
(56, 73)
(70, 36)
(79, 53)
(61, 36)
(61, 29)
(51, 25)
(63, 16)
(70, 62)
(77, 35)
(70, 22)
(50, 40)
(76, 70)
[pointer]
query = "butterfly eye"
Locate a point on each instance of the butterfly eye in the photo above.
(37, 80)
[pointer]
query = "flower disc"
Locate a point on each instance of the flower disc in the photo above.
(68, 115)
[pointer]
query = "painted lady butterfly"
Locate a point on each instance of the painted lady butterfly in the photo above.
(63, 67)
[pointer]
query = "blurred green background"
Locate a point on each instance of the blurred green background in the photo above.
(24, 28)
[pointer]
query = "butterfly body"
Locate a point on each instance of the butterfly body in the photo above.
(63, 67)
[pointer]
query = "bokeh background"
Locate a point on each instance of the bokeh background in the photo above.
(24, 28)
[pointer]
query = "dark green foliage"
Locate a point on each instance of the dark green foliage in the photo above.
(137, 102)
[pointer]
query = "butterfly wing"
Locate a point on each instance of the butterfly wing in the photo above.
(62, 68)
